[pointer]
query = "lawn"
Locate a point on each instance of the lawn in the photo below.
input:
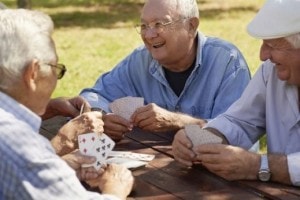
(92, 36)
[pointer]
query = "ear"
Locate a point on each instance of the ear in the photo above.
(193, 25)
(30, 75)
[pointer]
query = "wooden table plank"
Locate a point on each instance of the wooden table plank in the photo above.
(166, 174)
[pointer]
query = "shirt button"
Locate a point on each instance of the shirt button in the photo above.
(177, 108)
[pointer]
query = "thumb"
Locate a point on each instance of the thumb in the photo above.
(83, 159)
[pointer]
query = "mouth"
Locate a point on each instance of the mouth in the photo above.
(158, 45)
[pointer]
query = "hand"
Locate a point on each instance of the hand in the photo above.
(154, 118)
(68, 107)
(116, 180)
(116, 126)
(75, 160)
(229, 162)
(67, 138)
(182, 149)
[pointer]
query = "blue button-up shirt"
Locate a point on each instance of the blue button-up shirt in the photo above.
(218, 79)
(29, 167)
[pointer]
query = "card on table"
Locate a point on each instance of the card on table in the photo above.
(93, 145)
(200, 136)
(128, 163)
(129, 159)
(132, 155)
(126, 106)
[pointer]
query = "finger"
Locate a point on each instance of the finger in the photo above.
(210, 148)
(215, 159)
(83, 159)
(116, 120)
(184, 162)
(141, 114)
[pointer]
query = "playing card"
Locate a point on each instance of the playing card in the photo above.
(86, 143)
(129, 163)
(102, 149)
(132, 155)
(91, 144)
(126, 106)
(200, 136)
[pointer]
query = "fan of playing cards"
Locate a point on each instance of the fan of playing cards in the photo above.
(92, 144)
(200, 136)
(101, 147)
(126, 106)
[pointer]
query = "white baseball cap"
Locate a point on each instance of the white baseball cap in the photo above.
(276, 19)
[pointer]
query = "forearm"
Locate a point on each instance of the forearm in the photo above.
(279, 168)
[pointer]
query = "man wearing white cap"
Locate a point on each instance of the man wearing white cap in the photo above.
(270, 104)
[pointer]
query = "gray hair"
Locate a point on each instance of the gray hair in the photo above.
(294, 40)
(188, 8)
(25, 35)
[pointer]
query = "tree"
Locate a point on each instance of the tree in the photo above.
(24, 4)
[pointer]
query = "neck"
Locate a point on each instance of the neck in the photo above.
(185, 61)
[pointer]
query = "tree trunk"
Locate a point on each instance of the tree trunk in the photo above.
(24, 4)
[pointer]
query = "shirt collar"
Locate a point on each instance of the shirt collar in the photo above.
(201, 43)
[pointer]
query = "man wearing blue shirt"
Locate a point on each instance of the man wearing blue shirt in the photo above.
(183, 76)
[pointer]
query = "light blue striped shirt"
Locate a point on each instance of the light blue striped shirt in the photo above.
(29, 167)
(218, 79)
(270, 106)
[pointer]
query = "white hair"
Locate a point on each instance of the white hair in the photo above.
(188, 8)
(24, 35)
(294, 40)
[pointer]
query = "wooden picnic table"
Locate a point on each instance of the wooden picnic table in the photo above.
(163, 178)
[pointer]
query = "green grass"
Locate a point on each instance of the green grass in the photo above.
(92, 36)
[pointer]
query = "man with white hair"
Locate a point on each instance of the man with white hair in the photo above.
(184, 76)
(29, 167)
(270, 104)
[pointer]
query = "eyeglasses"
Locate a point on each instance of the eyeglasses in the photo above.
(158, 26)
(60, 70)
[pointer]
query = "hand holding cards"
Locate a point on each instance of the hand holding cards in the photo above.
(200, 136)
(91, 144)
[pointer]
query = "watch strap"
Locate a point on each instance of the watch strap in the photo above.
(264, 164)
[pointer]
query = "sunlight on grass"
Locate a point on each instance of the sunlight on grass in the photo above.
(93, 35)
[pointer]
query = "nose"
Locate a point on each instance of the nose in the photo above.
(265, 52)
(150, 32)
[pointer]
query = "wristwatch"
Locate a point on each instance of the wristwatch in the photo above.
(264, 173)
(99, 110)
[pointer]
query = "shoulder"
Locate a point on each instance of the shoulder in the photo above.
(218, 45)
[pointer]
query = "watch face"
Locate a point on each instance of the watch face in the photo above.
(264, 175)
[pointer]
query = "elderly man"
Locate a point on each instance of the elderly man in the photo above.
(270, 104)
(29, 167)
(183, 76)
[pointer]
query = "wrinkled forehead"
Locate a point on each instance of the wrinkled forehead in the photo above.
(159, 9)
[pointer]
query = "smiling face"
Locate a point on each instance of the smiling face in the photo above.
(174, 46)
(285, 57)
